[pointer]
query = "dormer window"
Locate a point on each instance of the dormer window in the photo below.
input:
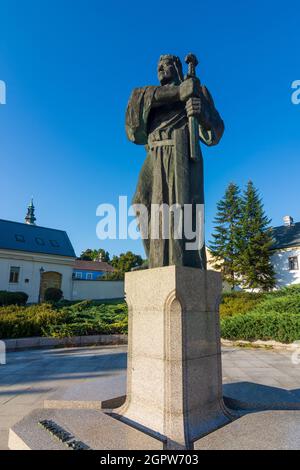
(293, 263)
(54, 243)
(20, 238)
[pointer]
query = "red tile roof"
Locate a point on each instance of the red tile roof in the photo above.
(93, 266)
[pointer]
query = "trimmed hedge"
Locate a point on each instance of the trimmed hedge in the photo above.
(271, 316)
(12, 298)
(286, 300)
(289, 304)
(284, 327)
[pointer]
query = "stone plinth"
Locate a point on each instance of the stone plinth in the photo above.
(174, 382)
(174, 379)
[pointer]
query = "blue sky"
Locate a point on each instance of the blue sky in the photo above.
(70, 66)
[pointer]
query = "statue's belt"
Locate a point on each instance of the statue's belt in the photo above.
(161, 143)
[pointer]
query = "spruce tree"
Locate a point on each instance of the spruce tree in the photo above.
(254, 240)
(223, 247)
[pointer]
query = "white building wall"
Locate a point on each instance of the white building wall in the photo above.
(280, 261)
(30, 265)
(97, 290)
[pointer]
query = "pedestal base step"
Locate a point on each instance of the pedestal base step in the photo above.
(97, 394)
(92, 429)
(67, 429)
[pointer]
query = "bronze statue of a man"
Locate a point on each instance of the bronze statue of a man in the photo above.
(163, 119)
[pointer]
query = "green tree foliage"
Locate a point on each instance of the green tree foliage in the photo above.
(123, 264)
(253, 243)
(242, 240)
(114, 276)
(95, 255)
(126, 261)
(224, 244)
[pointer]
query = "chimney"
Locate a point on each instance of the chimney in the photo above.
(288, 221)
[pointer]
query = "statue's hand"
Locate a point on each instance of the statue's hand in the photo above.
(189, 88)
(193, 107)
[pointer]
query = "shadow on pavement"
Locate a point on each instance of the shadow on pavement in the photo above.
(251, 396)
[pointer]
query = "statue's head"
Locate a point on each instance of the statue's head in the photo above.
(169, 70)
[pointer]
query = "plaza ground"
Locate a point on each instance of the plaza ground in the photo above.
(31, 376)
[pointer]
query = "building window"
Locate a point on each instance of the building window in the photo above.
(54, 243)
(293, 263)
(40, 241)
(14, 274)
(89, 276)
(78, 275)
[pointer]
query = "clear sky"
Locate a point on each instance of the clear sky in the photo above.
(69, 67)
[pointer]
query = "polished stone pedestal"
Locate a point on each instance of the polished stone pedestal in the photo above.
(174, 379)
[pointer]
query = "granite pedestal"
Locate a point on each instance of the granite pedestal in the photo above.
(174, 379)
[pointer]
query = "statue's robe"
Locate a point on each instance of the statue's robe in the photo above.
(169, 175)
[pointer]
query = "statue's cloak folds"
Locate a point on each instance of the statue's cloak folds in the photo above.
(137, 114)
(168, 175)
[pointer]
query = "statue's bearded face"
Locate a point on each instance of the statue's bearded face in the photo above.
(166, 71)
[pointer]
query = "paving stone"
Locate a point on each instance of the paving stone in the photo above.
(249, 433)
(29, 375)
(4, 440)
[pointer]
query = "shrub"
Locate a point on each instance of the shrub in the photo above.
(53, 294)
(284, 291)
(290, 304)
(67, 330)
(13, 298)
(86, 328)
(81, 306)
(253, 326)
(81, 318)
(18, 322)
(235, 303)
(22, 298)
